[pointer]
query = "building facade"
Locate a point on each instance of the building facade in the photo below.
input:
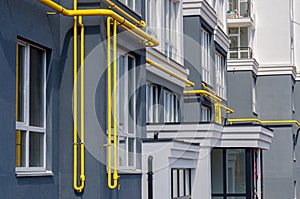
(263, 72)
(144, 99)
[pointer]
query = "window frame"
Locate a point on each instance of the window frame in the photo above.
(151, 17)
(187, 176)
(134, 6)
(206, 114)
(171, 28)
(250, 159)
(171, 110)
(239, 48)
(237, 11)
(206, 56)
(152, 112)
(25, 125)
(220, 75)
(254, 95)
(123, 133)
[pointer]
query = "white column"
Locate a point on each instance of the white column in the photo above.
(201, 181)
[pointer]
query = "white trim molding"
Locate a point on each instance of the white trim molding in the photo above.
(200, 8)
(240, 22)
(277, 69)
(214, 135)
(221, 38)
(243, 65)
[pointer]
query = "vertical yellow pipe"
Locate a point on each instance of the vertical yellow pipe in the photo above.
(75, 146)
(108, 106)
(116, 176)
(18, 132)
(82, 73)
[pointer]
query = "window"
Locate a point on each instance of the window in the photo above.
(152, 103)
(171, 27)
(133, 4)
(206, 68)
(293, 98)
(220, 13)
(240, 7)
(30, 108)
(181, 183)
(126, 111)
(151, 16)
(254, 94)
(220, 75)
(171, 107)
(239, 43)
(205, 114)
(230, 176)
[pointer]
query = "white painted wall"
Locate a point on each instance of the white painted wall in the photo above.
(272, 32)
(202, 180)
(297, 33)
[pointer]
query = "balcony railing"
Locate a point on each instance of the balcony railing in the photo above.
(240, 53)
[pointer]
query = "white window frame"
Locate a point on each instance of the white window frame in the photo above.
(205, 114)
(134, 2)
(25, 126)
(254, 103)
(171, 28)
(181, 177)
(293, 99)
(124, 131)
(206, 56)
(152, 103)
(220, 75)
(237, 11)
(239, 51)
(151, 17)
(171, 107)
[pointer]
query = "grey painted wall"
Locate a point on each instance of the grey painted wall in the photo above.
(28, 19)
(192, 48)
(274, 102)
(274, 97)
(240, 94)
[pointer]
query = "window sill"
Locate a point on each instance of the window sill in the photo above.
(33, 173)
(129, 171)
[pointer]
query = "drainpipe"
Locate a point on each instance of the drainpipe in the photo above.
(150, 177)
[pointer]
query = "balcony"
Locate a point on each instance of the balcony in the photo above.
(213, 135)
(240, 13)
(241, 59)
(240, 53)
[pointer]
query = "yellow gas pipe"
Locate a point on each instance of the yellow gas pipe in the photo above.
(75, 146)
(237, 120)
(140, 23)
(150, 41)
(156, 65)
(147, 39)
(217, 103)
(115, 173)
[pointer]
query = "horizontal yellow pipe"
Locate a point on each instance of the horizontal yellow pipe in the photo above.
(140, 23)
(229, 110)
(236, 120)
(203, 92)
(151, 42)
(156, 65)
(207, 88)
